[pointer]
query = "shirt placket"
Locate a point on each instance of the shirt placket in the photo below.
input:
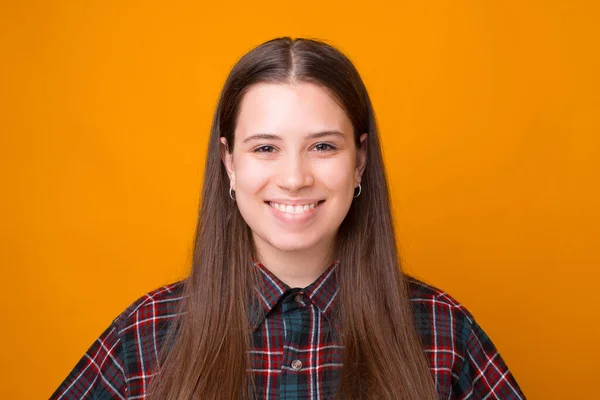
(294, 376)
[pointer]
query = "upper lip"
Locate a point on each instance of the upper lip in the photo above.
(294, 202)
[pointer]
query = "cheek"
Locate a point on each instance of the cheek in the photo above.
(336, 174)
(251, 175)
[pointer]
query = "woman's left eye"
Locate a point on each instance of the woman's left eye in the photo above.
(324, 147)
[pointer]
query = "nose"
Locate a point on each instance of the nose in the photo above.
(294, 173)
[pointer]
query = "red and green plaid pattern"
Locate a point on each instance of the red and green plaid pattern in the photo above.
(296, 353)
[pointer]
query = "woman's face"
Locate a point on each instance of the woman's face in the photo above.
(294, 166)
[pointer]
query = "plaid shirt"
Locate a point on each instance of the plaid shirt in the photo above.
(295, 352)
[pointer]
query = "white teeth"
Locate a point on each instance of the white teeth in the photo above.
(299, 209)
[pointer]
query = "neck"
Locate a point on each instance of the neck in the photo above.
(297, 269)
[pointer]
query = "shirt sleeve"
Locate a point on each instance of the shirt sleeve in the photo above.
(100, 374)
(484, 374)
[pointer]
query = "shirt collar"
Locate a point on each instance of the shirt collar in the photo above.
(322, 292)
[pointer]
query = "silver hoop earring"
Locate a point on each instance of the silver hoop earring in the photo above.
(359, 191)
(230, 195)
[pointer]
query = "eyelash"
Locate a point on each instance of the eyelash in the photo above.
(258, 149)
(329, 146)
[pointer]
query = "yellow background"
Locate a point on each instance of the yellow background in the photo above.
(489, 117)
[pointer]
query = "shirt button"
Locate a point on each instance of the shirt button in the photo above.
(296, 365)
(299, 298)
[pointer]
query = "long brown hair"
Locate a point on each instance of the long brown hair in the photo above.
(206, 355)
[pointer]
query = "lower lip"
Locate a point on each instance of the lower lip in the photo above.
(295, 218)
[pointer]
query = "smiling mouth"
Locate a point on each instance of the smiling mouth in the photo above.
(295, 209)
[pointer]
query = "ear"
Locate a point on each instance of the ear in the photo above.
(361, 158)
(227, 159)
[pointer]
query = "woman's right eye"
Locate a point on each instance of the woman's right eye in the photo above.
(264, 149)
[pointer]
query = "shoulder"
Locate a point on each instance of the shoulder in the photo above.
(423, 293)
(143, 329)
(438, 315)
(463, 360)
(159, 304)
(444, 326)
(121, 357)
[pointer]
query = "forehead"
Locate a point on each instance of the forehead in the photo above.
(290, 109)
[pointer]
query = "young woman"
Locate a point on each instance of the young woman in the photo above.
(295, 290)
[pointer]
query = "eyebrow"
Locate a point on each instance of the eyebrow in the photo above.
(316, 135)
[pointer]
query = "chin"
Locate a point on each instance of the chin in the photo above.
(292, 246)
(293, 243)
